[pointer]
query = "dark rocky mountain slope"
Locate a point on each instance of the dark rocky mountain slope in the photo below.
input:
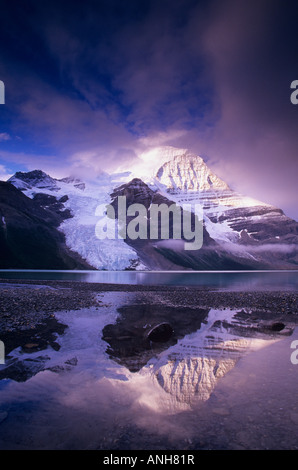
(29, 235)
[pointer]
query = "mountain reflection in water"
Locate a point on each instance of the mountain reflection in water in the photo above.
(126, 392)
(205, 345)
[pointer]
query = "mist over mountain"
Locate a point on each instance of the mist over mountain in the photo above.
(239, 232)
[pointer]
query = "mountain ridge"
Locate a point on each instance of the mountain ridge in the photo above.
(239, 231)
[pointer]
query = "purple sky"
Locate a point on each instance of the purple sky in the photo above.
(90, 85)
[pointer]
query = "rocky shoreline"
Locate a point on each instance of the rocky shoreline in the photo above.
(28, 321)
(28, 307)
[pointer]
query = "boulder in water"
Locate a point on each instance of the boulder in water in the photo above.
(160, 333)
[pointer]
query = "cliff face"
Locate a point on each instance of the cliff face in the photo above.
(257, 234)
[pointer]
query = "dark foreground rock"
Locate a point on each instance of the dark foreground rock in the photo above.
(143, 330)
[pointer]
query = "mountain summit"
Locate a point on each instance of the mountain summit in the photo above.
(33, 179)
(188, 172)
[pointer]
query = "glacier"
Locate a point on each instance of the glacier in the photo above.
(79, 230)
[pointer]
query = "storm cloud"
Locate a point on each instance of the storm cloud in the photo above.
(90, 85)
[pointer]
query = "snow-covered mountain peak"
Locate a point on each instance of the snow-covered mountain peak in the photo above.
(33, 179)
(148, 162)
(189, 172)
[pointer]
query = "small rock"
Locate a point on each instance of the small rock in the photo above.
(160, 333)
(277, 326)
(73, 361)
(55, 345)
(31, 345)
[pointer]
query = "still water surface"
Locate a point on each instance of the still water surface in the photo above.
(230, 280)
(217, 387)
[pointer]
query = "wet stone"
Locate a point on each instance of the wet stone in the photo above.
(160, 333)
(277, 326)
(22, 370)
(31, 346)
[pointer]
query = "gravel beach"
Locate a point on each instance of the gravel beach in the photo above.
(27, 308)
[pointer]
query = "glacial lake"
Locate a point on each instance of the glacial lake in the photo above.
(220, 280)
(221, 385)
